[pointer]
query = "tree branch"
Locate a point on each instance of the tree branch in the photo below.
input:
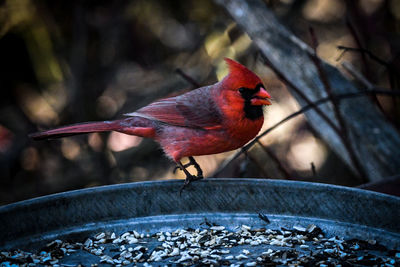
(297, 113)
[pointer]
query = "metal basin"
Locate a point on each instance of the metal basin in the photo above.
(151, 207)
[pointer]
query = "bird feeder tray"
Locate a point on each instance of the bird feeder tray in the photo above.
(237, 206)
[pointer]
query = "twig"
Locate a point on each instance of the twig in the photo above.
(272, 155)
(313, 169)
(282, 77)
(188, 78)
(362, 50)
(358, 42)
(321, 101)
(259, 166)
(357, 75)
(343, 131)
(392, 71)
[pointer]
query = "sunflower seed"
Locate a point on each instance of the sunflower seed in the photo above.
(241, 257)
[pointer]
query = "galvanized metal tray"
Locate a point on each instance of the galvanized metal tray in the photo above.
(151, 207)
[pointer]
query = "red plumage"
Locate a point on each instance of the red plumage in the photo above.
(208, 120)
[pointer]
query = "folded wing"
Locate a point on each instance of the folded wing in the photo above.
(195, 109)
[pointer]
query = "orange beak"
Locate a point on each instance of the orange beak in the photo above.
(261, 98)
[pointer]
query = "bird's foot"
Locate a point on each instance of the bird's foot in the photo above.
(188, 181)
(189, 177)
(192, 162)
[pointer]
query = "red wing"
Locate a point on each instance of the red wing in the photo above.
(195, 109)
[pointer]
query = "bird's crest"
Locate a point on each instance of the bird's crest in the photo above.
(240, 76)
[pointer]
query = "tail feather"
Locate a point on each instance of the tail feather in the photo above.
(75, 129)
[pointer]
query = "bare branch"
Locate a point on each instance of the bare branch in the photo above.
(356, 74)
(297, 113)
(364, 51)
(343, 132)
(188, 78)
(272, 155)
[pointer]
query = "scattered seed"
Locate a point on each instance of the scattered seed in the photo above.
(217, 228)
(245, 251)
(100, 236)
(175, 252)
(245, 227)
(301, 246)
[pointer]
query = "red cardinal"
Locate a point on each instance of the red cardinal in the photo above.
(208, 120)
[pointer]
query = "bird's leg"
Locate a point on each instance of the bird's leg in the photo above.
(193, 162)
(189, 177)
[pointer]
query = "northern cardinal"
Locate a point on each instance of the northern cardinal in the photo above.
(208, 120)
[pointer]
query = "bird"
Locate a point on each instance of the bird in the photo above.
(208, 120)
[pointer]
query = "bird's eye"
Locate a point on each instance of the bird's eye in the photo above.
(241, 89)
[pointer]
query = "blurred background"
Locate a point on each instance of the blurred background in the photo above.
(64, 62)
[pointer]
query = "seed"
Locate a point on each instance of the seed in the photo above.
(117, 241)
(100, 236)
(102, 241)
(215, 256)
(245, 251)
(88, 243)
(124, 235)
(132, 240)
(254, 243)
(166, 245)
(204, 254)
(175, 252)
(329, 250)
(137, 257)
(276, 243)
(126, 254)
(97, 252)
(245, 227)
(217, 228)
(203, 232)
(241, 257)
(136, 234)
(183, 258)
(106, 259)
